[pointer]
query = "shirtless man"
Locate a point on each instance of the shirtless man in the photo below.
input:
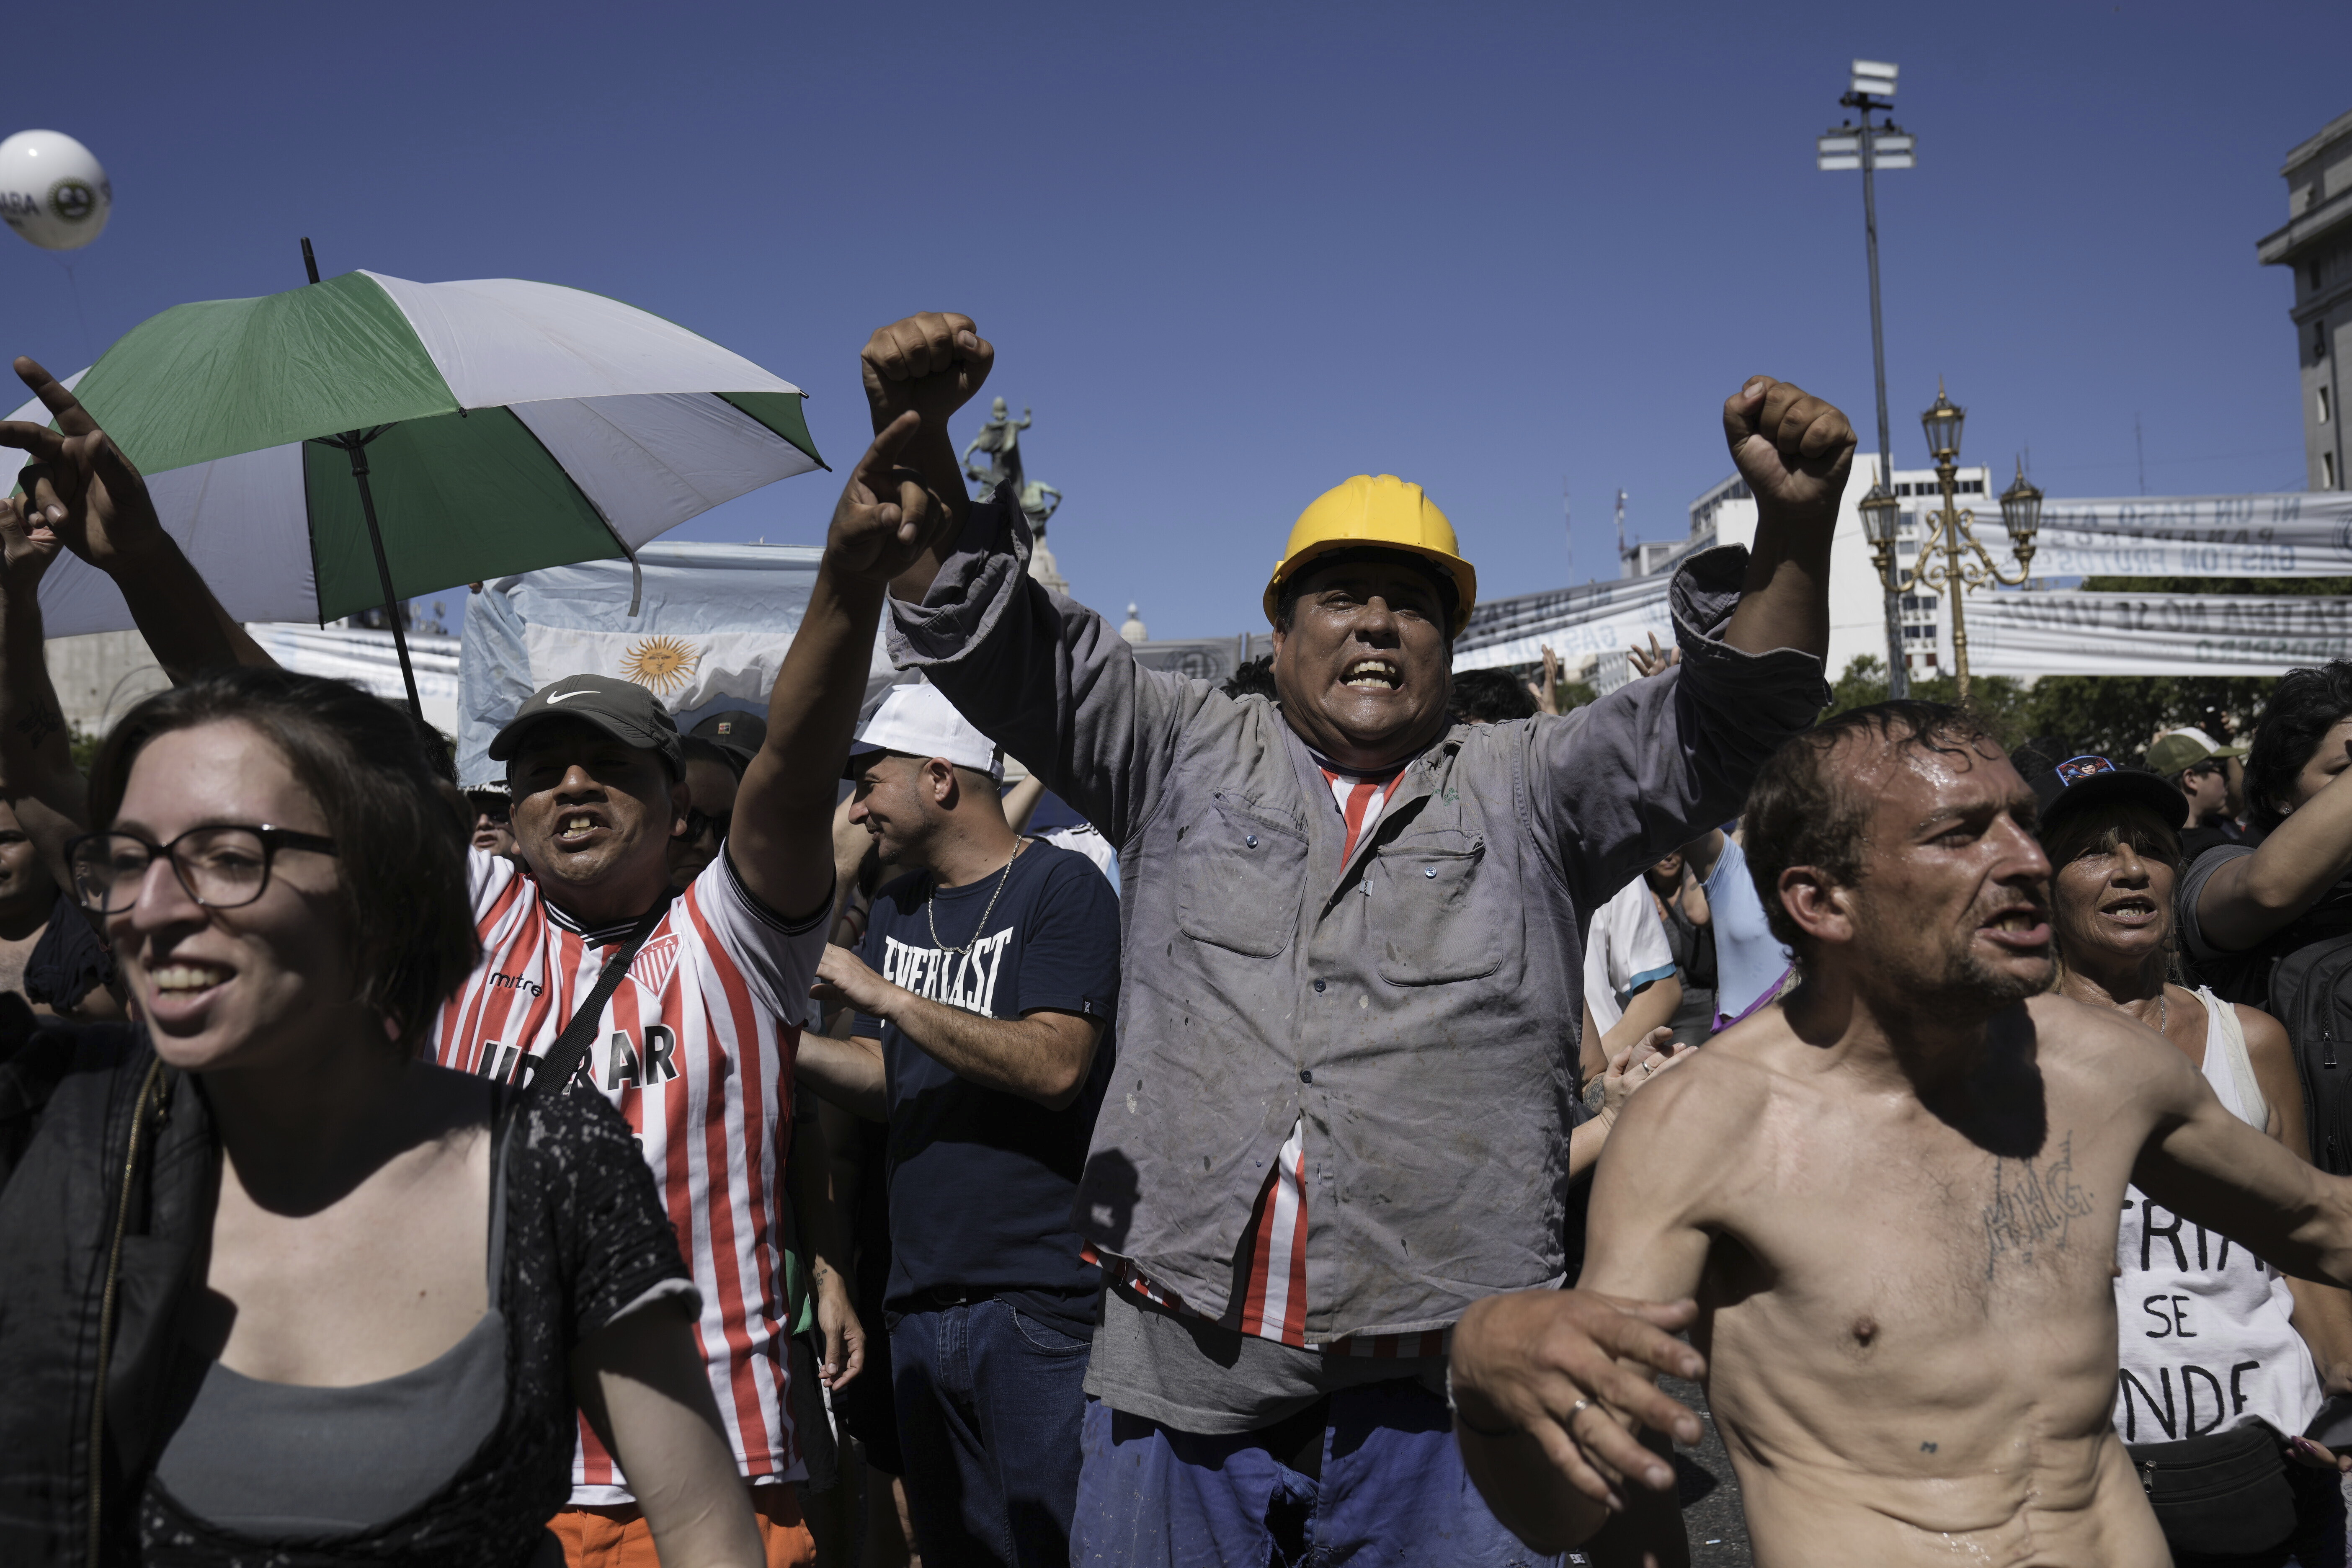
(1895, 1196)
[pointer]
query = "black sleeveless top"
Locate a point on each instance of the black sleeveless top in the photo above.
(585, 1239)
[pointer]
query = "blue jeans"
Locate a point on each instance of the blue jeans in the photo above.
(990, 1402)
(1392, 1492)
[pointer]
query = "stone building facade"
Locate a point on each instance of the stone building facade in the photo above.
(2316, 245)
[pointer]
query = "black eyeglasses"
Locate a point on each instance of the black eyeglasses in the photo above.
(700, 821)
(221, 868)
(496, 808)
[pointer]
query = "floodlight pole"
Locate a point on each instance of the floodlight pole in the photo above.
(1898, 677)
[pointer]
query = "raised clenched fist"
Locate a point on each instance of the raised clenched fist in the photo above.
(1793, 450)
(931, 364)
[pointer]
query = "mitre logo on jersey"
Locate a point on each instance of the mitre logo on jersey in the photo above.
(651, 968)
(965, 980)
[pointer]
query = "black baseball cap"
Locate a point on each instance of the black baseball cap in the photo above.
(739, 730)
(621, 709)
(2064, 786)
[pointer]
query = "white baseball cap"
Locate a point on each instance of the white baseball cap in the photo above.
(920, 721)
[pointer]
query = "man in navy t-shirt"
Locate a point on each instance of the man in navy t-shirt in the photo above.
(984, 989)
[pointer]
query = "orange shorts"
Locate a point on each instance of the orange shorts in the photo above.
(618, 1536)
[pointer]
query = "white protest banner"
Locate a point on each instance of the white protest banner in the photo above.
(2289, 534)
(368, 659)
(2029, 635)
(1597, 618)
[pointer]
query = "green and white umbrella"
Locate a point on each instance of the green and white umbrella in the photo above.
(500, 426)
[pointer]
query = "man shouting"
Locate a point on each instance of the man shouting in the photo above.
(1896, 1194)
(1347, 1075)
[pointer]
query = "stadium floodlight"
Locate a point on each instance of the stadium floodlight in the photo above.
(1871, 147)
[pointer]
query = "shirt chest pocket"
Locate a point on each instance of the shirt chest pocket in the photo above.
(1240, 876)
(1436, 914)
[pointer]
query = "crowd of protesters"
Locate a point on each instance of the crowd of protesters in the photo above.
(1310, 1145)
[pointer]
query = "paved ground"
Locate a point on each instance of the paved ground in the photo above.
(1710, 1495)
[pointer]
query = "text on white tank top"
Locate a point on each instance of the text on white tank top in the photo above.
(2205, 1341)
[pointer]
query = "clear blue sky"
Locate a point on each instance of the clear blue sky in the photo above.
(1231, 254)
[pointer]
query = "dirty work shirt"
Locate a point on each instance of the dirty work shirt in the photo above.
(695, 1050)
(1411, 999)
(981, 1180)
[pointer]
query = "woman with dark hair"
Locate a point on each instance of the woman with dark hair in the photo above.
(2243, 906)
(277, 1289)
(2223, 1357)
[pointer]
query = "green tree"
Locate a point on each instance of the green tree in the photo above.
(2005, 705)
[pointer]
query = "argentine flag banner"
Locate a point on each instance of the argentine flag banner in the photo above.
(713, 622)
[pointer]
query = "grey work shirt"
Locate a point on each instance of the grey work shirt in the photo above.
(1417, 1005)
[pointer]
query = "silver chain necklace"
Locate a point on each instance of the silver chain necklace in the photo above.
(931, 905)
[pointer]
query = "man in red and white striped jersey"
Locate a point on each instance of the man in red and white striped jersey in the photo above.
(695, 1046)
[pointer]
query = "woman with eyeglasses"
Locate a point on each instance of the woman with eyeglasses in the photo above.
(276, 1289)
(2224, 1361)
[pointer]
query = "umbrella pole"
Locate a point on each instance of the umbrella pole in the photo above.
(357, 450)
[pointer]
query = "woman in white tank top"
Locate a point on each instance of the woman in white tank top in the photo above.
(2209, 1337)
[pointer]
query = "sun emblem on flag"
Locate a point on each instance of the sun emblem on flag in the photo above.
(663, 664)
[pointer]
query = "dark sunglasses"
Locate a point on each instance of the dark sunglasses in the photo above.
(496, 808)
(700, 821)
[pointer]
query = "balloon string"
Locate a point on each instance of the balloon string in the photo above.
(74, 287)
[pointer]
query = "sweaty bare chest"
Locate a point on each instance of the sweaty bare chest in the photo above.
(1896, 1242)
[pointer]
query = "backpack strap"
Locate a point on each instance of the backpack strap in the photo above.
(570, 1047)
(2233, 1037)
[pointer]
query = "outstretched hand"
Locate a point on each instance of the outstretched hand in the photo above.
(1793, 450)
(930, 363)
(887, 516)
(1647, 662)
(80, 491)
(1557, 1367)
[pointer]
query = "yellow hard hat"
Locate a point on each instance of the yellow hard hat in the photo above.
(1383, 513)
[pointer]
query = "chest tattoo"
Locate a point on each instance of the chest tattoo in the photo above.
(2033, 1203)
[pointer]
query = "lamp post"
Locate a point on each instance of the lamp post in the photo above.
(1952, 531)
(1870, 148)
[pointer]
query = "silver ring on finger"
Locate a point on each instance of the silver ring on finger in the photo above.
(1577, 1409)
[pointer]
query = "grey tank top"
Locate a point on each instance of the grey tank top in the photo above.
(279, 1461)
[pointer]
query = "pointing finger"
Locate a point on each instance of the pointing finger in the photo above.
(71, 417)
(883, 455)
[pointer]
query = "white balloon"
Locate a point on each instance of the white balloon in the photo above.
(52, 191)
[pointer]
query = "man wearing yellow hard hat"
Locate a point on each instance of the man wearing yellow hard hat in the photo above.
(1345, 1106)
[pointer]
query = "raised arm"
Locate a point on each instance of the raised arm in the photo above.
(82, 489)
(2249, 897)
(782, 843)
(1795, 452)
(38, 777)
(1048, 680)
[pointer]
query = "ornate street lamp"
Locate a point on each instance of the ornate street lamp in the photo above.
(1953, 529)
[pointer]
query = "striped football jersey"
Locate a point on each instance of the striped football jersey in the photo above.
(695, 1049)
